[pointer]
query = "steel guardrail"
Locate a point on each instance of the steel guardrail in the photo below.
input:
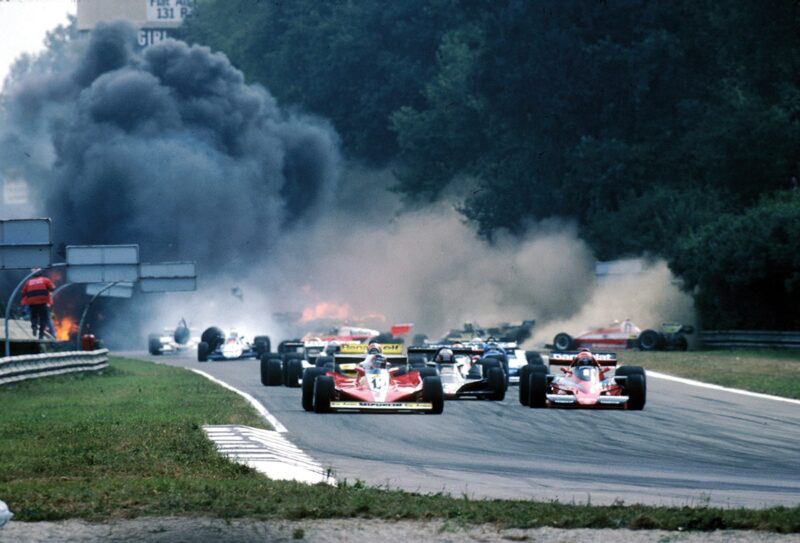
(33, 366)
(750, 338)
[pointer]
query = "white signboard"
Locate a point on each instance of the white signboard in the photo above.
(144, 14)
(169, 11)
(102, 263)
(25, 243)
(167, 277)
(120, 290)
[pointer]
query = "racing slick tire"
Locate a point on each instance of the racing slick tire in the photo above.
(294, 372)
(427, 371)
(261, 345)
(433, 392)
(680, 343)
(202, 351)
(537, 393)
(309, 376)
(650, 340)
(503, 359)
(154, 344)
(288, 357)
(534, 358)
(271, 371)
(487, 364)
(323, 394)
(417, 361)
(637, 392)
(213, 336)
(323, 361)
(563, 342)
(524, 383)
(525, 373)
(419, 339)
(497, 384)
(625, 371)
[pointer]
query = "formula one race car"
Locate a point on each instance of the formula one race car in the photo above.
(286, 367)
(376, 383)
(215, 345)
(173, 340)
(464, 371)
(584, 382)
(626, 335)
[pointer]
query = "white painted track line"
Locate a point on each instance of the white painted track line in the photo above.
(280, 428)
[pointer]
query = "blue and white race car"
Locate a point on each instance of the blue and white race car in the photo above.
(216, 345)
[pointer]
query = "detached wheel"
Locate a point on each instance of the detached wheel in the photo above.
(202, 351)
(537, 393)
(649, 340)
(427, 371)
(154, 344)
(294, 372)
(323, 394)
(433, 393)
(563, 342)
(497, 384)
(637, 393)
(309, 376)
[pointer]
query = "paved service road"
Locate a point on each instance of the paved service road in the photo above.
(689, 446)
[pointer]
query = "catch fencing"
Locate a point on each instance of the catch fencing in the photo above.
(33, 366)
(752, 338)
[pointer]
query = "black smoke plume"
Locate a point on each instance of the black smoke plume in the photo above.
(167, 147)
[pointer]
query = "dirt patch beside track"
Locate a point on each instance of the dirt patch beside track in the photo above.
(324, 531)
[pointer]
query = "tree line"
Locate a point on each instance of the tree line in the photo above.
(665, 128)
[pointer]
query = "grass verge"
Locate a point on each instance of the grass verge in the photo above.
(128, 442)
(767, 371)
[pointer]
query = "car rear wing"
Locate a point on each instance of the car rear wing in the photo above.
(291, 346)
(429, 351)
(353, 353)
(676, 328)
(566, 358)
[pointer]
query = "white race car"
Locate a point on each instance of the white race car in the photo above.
(172, 340)
(215, 345)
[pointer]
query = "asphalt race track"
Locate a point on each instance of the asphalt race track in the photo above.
(689, 446)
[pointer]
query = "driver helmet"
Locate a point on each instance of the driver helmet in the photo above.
(445, 355)
(374, 348)
(379, 361)
(584, 358)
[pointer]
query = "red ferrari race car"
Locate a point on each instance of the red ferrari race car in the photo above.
(585, 381)
(626, 335)
(376, 383)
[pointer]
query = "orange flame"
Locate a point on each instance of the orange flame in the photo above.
(65, 327)
(325, 310)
